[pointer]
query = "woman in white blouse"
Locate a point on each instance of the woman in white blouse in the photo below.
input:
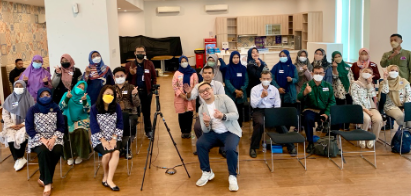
(398, 92)
(362, 92)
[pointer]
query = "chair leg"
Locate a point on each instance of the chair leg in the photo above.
(1, 161)
(72, 166)
(272, 156)
(96, 168)
(341, 154)
(28, 168)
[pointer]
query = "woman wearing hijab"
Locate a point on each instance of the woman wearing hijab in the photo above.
(97, 75)
(75, 104)
(254, 68)
(65, 77)
(342, 77)
(363, 92)
(14, 135)
(106, 125)
(36, 76)
(45, 127)
(399, 92)
(285, 77)
(236, 83)
(212, 61)
(320, 59)
(365, 62)
(304, 69)
(185, 75)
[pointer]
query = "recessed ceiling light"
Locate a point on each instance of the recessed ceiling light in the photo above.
(119, 8)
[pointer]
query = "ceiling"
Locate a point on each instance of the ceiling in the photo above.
(123, 4)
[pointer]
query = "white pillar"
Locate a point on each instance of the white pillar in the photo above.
(95, 27)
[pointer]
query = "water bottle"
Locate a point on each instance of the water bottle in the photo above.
(264, 147)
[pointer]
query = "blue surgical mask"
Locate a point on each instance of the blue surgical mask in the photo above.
(78, 91)
(37, 65)
(283, 59)
(44, 100)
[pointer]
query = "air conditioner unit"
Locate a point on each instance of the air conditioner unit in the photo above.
(168, 9)
(216, 8)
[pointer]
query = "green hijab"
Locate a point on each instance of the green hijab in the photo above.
(343, 70)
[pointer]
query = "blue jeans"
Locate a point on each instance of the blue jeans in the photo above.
(212, 139)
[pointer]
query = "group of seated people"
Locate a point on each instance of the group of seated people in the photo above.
(98, 99)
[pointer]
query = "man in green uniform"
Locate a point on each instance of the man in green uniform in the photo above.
(398, 56)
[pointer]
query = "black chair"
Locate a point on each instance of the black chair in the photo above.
(386, 118)
(407, 117)
(3, 159)
(276, 117)
(349, 114)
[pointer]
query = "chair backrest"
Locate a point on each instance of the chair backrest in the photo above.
(346, 114)
(407, 112)
(275, 117)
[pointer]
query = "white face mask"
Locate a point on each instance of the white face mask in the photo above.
(302, 58)
(266, 82)
(366, 75)
(120, 80)
(97, 60)
(318, 78)
(393, 74)
(184, 65)
(19, 91)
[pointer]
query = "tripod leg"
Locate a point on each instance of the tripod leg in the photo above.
(153, 136)
(145, 167)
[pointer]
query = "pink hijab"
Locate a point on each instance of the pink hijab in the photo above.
(66, 78)
(363, 64)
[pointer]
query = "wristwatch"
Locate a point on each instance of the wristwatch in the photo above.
(224, 117)
(114, 138)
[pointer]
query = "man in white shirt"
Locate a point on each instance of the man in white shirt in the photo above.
(192, 93)
(218, 117)
(263, 96)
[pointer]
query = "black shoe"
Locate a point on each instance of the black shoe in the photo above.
(105, 184)
(293, 152)
(222, 152)
(114, 188)
(253, 153)
(185, 135)
(310, 148)
(195, 153)
(148, 135)
(319, 128)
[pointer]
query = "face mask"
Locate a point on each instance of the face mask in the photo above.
(338, 60)
(210, 63)
(366, 75)
(65, 64)
(184, 65)
(19, 91)
(283, 59)
(37, 65)
(45, 100)
(97, 60)
(120, 80)
(302, 58)
(266, 82)
(393, 74)
(140, 56)
(364, 57)
(108, 98)
(394, 44)
(78, 91)
(318, 78)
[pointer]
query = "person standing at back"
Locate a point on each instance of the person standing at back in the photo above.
(398, 56)
(16, 72)
(142, 74)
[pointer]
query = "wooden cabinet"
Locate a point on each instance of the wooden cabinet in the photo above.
(298, 22)
(315, 27)
(261, 23)
(246, 25)
(221, 25)
(284, 24)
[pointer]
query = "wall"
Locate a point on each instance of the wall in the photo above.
(95, 27)
(131, 23)
(404, 27)
(20, 36)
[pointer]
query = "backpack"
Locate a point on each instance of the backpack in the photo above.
(396, 142)
(321, 147)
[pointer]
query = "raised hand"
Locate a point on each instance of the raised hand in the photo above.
(84, 97)
(58, 69)
(25, 78)
(206, 119)
(264, 93)
(135, 91)
(88, 70)
(69, 95)
(187, 88)
(218, 114)
(45, 79)
(307, 90)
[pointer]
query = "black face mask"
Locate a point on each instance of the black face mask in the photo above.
(65, 64)
(140, 56)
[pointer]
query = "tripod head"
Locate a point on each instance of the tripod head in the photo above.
(155, 88)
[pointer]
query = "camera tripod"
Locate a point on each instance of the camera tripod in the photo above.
(151, 144)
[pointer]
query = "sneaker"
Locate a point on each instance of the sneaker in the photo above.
(16, 163)
(70, 161)
(78, 160)
(205, 178)
(232, 180)
(370, 144)
(362, 143)
(21, 163)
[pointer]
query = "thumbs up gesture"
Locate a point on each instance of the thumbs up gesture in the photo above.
(58, 69)
(69, 95)
(135, 91)
(84, 97)
(45, 79)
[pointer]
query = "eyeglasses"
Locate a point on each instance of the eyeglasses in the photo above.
(205, 90)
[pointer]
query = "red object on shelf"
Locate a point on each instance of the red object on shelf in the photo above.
(199, 58)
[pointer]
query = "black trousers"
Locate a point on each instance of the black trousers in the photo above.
(145, 99)
(346, 101)
(258, 129)
(185, 120)
(17, 153)
(240, 109)
(48, 161)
